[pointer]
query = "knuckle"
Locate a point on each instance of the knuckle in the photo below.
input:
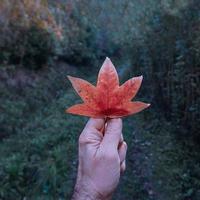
(116, 121)
(125, 145)
(123, 167)
(83, 140)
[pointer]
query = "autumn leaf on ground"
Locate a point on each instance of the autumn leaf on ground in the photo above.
(108, 99)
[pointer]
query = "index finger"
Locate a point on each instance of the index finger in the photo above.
(113, 133)
(95, 123)
(91, 131)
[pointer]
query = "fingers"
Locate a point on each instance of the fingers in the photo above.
(112, 134)
(97, 124)
(122, 152)
(123, 166)
(121, 141)
(122, 156)
(90, 133)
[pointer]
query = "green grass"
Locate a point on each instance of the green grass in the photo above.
(39, 161)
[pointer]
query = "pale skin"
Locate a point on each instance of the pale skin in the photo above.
(102, 154)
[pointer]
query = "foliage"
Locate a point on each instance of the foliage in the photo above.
(78, 43)
(25, 38)
(171, 66)
(23, 94)
(31, 48)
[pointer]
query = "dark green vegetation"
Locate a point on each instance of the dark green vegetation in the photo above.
(38, 141)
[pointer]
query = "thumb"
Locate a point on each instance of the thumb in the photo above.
(91, 131)
(113, 132)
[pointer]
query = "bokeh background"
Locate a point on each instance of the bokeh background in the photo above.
(41, 41)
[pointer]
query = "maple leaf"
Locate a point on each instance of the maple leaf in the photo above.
(108, 99)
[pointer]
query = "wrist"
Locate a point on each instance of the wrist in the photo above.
(84, 191)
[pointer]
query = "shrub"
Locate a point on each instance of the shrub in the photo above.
(31, 48)
(79, 41)
(169, 59)
(27, 33)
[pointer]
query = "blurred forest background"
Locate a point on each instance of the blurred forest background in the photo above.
(41, 41)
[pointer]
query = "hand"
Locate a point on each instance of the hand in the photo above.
(101, 159)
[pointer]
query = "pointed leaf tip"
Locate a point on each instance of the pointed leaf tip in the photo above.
(83, 109)
(129, 89)
(107, 77)
(69, 77)
(83, 88)
(108, 64)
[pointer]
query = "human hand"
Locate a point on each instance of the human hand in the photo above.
(101, 159)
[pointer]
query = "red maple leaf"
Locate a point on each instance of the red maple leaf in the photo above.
(108, 99)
